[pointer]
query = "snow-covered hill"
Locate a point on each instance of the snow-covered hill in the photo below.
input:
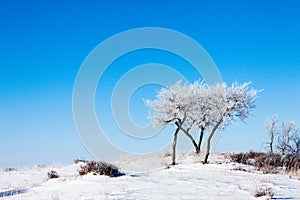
(220, 179)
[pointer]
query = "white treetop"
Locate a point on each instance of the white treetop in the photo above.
(175, 104)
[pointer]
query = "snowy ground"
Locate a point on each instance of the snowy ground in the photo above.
(188, 180)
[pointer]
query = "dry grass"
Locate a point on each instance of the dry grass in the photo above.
(268, 162)
(263, 191)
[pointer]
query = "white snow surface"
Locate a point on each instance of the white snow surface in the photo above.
(190, 179)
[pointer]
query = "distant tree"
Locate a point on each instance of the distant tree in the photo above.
(272, 130)
(295, 146)
(285, 137)
(289, 139)
(288, 136)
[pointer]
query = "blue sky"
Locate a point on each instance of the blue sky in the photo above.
(42, 45)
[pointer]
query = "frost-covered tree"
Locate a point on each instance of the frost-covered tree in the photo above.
(176, 106)
(202, 115)
(201, 106)
(226, 104)
(272, 130)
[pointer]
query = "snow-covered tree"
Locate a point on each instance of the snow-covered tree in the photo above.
(272, 130)
(226, 104)
(176, 106)
(201, 106)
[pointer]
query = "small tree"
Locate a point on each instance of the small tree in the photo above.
(227, 104)
(288, 136)
(176, 106)
(203, 113)
(272, 130)
(295, 146)
(289, 139)
(285, 137)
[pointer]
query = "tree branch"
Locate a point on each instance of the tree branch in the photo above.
(188, 135)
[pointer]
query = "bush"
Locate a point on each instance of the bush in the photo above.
(268, 162)
(245, 158)
(238, 158)
(264, 191)
(52, 174)
(79, 160)
(10, 169)
(100, 168)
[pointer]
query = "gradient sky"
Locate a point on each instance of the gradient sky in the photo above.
(42, 45)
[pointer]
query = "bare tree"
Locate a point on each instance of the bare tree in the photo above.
(295, 146)
(288, 136)
(272, 130)
(285, 137)
(289, 139)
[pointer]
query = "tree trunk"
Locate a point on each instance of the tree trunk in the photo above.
(200, 141)
(209, 139)
(174, 146)
(271, 142)
(271, 147)
(198, 150)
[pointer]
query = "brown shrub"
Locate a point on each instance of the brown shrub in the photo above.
(53, 174)
(80, 160)
(100, 168)
(268, 162)
(10, 169)
(264, 191)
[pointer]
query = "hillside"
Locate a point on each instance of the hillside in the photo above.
(220, 179)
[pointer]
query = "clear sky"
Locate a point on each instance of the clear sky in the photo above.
(43, 43)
